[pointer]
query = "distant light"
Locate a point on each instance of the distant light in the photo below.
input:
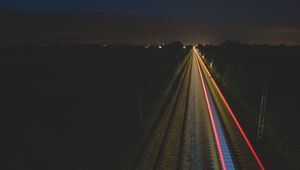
(184, 47)
(159, 46)
(147, 46)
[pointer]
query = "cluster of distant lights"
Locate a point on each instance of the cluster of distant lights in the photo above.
(160, 46)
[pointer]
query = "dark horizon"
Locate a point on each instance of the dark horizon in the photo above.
(35, 26)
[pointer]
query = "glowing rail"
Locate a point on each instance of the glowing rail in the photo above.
(220, 152)
(233, 116)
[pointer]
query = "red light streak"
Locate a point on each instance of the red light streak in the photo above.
(234, 118)
(212, 120)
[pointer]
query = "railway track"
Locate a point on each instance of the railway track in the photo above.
(195, 130)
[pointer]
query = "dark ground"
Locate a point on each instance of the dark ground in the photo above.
(76, 107)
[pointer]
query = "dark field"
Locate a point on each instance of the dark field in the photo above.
(78, 107)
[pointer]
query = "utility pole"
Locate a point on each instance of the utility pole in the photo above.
(212, 59)
(262, 110)
(212, 62)
(140, 104)
(141, 110)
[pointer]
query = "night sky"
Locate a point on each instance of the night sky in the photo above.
(191, 21)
